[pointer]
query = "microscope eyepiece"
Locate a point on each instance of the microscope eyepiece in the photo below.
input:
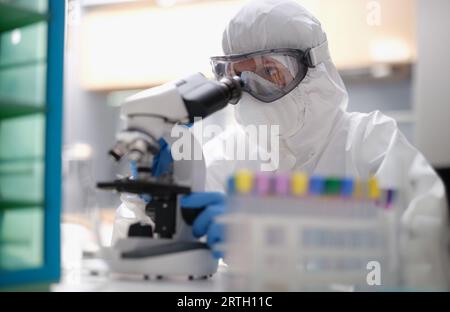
(203, 97)
(234, 86)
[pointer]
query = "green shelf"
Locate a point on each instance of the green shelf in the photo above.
(9, 205)
(12, 17)
(10, 109)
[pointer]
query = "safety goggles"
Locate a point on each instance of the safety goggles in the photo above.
(269, 75)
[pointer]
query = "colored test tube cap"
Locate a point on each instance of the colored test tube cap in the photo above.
(374, 189)
(244, 182)
(299, 184)
(316, 185)
(359, 189)
(347, 187)
(263, 184)
(390, 198)
(333, 186)
(282, 184)
(231, 185)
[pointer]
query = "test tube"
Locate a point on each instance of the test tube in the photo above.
(299, 185)
(282, 184)
(390, 199)
(231, 185)
(374, 189)
(244, 182)
(347, 188)
(263, 184)
(332, 187)
(316, 186)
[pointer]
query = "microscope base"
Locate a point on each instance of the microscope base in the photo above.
(160, 258)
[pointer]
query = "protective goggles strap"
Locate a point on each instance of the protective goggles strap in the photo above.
(319, 54)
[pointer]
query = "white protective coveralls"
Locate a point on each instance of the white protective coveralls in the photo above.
(318, 136)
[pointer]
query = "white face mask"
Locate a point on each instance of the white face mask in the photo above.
(288, 112)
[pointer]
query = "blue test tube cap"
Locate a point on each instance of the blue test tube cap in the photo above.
(316, 185)
(390, 198)
(231, 186)
(347, 187)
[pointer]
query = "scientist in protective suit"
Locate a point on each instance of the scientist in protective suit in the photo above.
(281, 53)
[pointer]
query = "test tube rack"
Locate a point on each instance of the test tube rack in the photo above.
(299, 233)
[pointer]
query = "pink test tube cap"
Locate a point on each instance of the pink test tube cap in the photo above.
(282, 184)
(263, 184)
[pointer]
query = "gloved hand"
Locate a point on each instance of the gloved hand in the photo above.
(204, 224)
(163, 161)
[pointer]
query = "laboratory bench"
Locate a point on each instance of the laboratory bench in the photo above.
(76, 280)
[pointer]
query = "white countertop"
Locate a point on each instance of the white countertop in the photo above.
(77, 280)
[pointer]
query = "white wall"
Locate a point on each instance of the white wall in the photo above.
(433, 81)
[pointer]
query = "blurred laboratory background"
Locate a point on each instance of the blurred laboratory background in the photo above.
(392, 55)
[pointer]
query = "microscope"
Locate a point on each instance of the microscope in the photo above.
(167, 248)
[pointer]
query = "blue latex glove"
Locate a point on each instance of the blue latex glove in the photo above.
(163, 161)
(215, 204)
